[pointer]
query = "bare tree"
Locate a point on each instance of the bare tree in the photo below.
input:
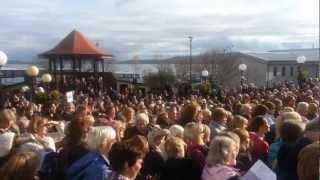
(221, 65)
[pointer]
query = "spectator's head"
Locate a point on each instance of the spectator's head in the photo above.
(78, 130)
(223, 150)
(190, 113)
(260, 110)
(206, 115)
(110, 111)
(81, 112)
(70, 108)
(176, 131)
(101, 138)
(22, 165)
(312, 131)
(293, 116)
(128, 113)
(291, 130)
(238, 122)
(139, 143)
(290, 101)
(141, 122)
(308, 162)
(39, 125)
(312, 111)
(244, 138)
(271, 107)
(278, 104)
(302, 108)
(175, 147)
(232, 136)
(126, 159)
(156, 136)
(163, 120)
(7, 118)
(220, 116)
(194, 133)
(246, 110)
(173, 114)
(259, 125)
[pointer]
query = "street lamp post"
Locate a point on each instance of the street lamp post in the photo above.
(242, 68)
(46, 79)
(190, 59)
(3, 61)
(32, 72)
(300, 60)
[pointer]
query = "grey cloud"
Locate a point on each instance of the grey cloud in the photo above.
(126, 30)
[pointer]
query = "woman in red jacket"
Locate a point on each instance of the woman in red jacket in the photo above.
(259, 147)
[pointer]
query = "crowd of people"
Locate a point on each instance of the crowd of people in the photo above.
(158, 137)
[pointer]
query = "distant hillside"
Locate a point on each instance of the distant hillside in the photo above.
(197, 59)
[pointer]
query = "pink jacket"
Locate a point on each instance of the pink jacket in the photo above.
(218, 172)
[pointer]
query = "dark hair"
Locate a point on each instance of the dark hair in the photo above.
(270, 105)
(108, 108)
(256, 123)
(188, 114)
(120, 153)
(260, 110)
(290, 131)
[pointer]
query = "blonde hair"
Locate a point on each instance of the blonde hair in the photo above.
(220, 150)
(176, 131)
(192, 131)
(238, 122)
(174, 147)
(8, 117)
(37, 122)
(308, 162)
(21, 165)
(99, 134)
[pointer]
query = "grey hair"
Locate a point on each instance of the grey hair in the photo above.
(142, 117)
(98, 134)
(220, 150)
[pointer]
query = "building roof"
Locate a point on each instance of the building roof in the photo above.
(288, 55)
(75, 43)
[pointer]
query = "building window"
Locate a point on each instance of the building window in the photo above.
(275, 71)
(283, 72)
(291, 71)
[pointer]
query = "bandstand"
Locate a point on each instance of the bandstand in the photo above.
(77, 59)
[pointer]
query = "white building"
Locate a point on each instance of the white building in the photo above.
(280, 65)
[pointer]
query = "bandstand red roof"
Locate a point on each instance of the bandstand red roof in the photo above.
(75, 43)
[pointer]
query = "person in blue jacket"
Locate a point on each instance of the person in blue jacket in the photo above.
(95, 164)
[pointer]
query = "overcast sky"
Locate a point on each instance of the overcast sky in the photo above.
(150, 28)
